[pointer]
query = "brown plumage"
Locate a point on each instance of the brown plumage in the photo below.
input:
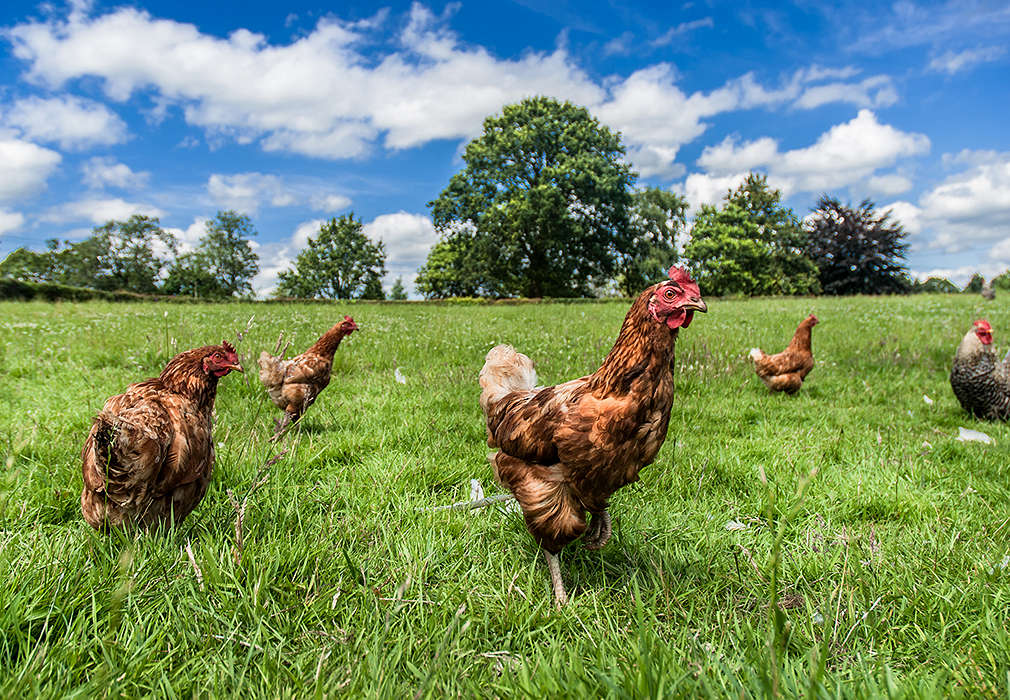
(787, 370)
(294, 384)
(150, 452)
(563, 450)
(980, 382)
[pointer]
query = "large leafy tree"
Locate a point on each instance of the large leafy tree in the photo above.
(223, 263)
(339, 262)
(657, 217)
(539, 209)
(752, 245)
(857, 250)
(124, 254)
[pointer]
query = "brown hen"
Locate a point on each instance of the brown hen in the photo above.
(563, 450)
(294, 384)
(786, 370)
(150, 452)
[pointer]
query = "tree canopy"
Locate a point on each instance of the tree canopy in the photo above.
(339, 262)
(753, 245)
(540, 207)
(857, 250)
(223, 263)
(657, 217)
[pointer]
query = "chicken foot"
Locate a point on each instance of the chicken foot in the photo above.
(598, 533)
(554, 566)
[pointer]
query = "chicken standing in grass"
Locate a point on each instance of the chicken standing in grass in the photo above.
(294, 384)
(150, 452)
(787, 370)
(563, 450)
(980, 382)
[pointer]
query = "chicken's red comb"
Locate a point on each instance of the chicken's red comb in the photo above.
(228, 347)
(348, 318)
(679, 275)
(983, 325)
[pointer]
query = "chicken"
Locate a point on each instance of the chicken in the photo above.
(294, 384)
(787, 370)
(988, 292)
(150, 453)
(980, 382)
(563, 450)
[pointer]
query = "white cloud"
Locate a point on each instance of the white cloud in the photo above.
(245, 192)
(329, 203)
(279, 256)
(968, 210)
(890, 184)
(877, 91)
(10, 221)
(24, 168)
(701, 188)
(408, 238)
(72, 122)
(952, 62)
(682, 29)
(99, 210)
(103, 171)
(188, 237)
(333, 94)
(845, 154)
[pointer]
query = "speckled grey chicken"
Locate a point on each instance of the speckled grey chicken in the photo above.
(980, 382)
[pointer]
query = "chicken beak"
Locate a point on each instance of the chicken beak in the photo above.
(695, 304)
(235, 368)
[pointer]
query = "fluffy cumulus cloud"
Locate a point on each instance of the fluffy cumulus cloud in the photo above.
(969, 210)
(846, 154)
(24, 168)
(408, 238)
(329, 203)
(101, 172)
(280, 255)
(99, 210)
(10, 221)
(423, 85)
(188, 238)
(71, 122)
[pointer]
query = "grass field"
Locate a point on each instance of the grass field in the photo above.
(888, 575)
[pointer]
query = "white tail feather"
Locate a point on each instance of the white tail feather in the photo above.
(504, 371)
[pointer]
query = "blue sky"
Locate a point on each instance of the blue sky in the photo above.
(296, 113)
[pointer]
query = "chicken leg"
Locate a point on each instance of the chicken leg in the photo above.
(554, 566)
(598, 533)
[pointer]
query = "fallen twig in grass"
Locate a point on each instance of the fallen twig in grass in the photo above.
(860, 620)
(471, 505)
(196, 569)
(240, 506)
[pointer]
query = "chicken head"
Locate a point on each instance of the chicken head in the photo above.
(221, 360)
(674, 302)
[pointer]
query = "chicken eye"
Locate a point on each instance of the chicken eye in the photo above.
(668, 293)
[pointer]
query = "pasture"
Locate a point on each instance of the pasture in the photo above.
(867, 549)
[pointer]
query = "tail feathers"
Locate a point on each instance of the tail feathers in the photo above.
(271, 372)
(505, 371)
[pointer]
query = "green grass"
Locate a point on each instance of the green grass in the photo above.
(890, 572)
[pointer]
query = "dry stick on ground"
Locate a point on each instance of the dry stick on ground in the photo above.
(471, 505)
(240, 506)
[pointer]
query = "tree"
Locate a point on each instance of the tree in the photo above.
(934, 285)
(223, 263)
(857, 250)
(373, 288)
(975, 284)
(124, 254)
(28, 266)
(657, 217)
(539, 209)
(752, 245)
(398, 293)
(340, 262)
